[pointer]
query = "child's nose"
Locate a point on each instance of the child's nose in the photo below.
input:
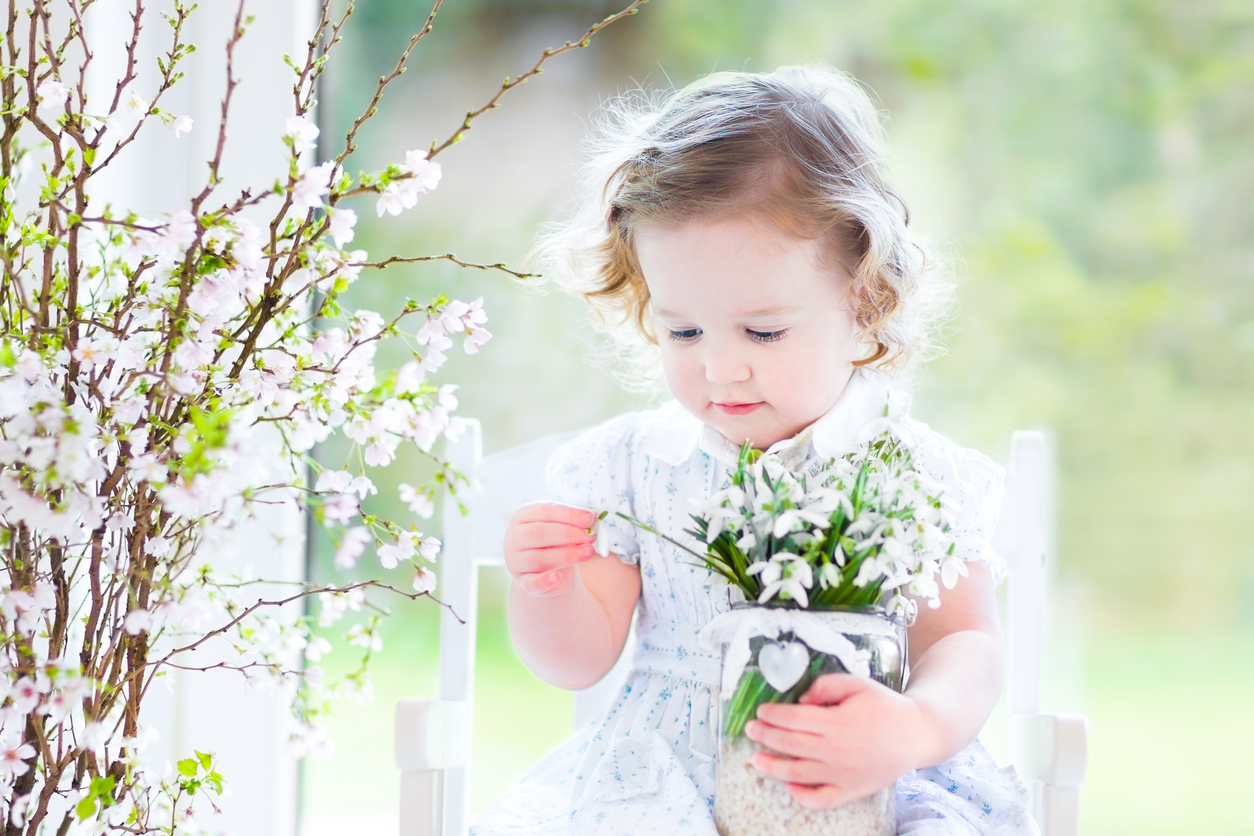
(725, 368)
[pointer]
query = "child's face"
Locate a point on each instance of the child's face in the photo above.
(755, 337)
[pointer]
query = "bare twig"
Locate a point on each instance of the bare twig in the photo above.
(509, 84)
(396, 259)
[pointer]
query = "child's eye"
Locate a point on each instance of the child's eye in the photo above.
(686, 334)
(767, 336)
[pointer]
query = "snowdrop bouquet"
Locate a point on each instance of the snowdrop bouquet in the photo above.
(163, 380)
(863, 530)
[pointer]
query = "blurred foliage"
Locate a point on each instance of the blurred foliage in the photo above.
(1086, 166)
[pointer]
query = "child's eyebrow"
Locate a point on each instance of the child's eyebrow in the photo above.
(777, 310)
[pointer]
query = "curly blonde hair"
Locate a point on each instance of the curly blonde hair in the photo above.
(800, 146)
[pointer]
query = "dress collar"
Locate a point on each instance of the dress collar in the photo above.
(675, 437)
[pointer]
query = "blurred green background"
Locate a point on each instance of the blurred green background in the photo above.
(1087, 166)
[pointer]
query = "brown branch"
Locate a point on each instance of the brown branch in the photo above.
(396, 259)
(508, 84)
(371, 108)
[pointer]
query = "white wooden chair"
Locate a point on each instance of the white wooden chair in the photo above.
(433, 736)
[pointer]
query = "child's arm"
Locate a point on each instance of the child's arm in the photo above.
(850, 737)
(569, 610)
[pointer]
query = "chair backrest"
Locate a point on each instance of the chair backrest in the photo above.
(512, 477)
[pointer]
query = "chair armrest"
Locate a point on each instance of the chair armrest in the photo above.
(432, 734)
(1052, 748)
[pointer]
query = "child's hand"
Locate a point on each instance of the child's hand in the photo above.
(847, 737)
(544, 542)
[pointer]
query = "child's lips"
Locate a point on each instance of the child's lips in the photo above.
(737, 408)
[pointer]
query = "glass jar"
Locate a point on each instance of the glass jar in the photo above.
(787, 650)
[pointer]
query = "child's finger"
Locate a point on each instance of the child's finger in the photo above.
(559, 557)
(833, 688)
(812, 719)
(545, 584)
(543, 535)
(555, 512)
(796, 744)
(793, 770)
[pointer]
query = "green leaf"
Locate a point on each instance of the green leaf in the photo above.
(86, 808)
(206, 760)
(187, 767)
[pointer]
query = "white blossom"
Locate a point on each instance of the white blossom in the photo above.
(340, 225)
(313, 185)
(351, 546)
(52, 92)
(301, 132)
(180, 125)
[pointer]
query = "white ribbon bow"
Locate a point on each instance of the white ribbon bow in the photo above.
(737, 627)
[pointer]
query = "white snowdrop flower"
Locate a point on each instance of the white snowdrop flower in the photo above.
(302, 132)
(829, 575)
(137, 621)
(424, 580)
(391, 200)
(951, 567)
(351, 547)
(786, 575)
(179, 125)
(340, 225)
(313, 185)
(52, 92)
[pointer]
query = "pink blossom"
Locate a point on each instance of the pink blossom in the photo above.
(424, 580)
(180, 125)
(340, 225)
(340, 507)
(302, 133)
(418, 502)
(13, 756)
(52, 92)
(138, 621)
(314, 185)
(351, 547)
(409, 378)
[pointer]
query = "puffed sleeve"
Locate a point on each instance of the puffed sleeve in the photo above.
(973, 487)
(593, 471)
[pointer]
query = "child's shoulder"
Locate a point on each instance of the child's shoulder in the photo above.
(944, 457)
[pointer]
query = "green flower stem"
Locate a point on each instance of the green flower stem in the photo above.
(753, 690)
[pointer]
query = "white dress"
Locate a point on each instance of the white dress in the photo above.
(648, 766)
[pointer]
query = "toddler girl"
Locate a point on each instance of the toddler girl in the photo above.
(746, 234)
